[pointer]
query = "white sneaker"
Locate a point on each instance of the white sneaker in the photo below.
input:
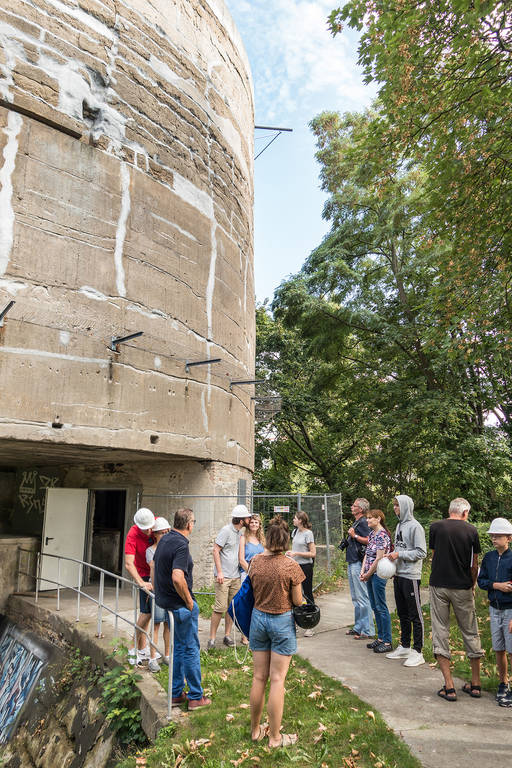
(308, 633)
(414, 659)
(144, 653)
(399, 653)
(153, 665)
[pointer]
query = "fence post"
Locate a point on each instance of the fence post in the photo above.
(80, 579)
(341, 514)
(327, 539)
(58, 584)
(299, 502)
(100, 602)
(117, 607)
(38, 575)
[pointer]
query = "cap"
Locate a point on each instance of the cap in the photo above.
(144, 519)
(161, 524)
(500, 525)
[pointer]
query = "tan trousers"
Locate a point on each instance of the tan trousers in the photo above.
(463, 603)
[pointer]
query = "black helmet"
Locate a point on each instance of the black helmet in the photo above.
(306, 616)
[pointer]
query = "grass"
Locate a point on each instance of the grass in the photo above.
(335, 728)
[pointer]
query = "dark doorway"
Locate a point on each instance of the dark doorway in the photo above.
(108, 531)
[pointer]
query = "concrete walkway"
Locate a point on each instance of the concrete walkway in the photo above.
(439, 733)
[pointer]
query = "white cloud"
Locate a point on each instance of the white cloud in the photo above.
(297, 65)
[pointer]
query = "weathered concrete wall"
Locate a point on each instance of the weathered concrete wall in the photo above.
(141, 220)
(9, 561)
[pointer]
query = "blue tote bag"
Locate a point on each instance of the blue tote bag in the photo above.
(240, 608)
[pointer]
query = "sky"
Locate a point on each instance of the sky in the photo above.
(298, 70)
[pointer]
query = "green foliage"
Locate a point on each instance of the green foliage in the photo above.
(384, 388)
(120, 700)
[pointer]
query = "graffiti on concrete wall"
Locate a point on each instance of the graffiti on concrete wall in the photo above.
(19, 672)
(31, 496)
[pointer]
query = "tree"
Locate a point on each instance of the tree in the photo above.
(444, 71)
(393, 367)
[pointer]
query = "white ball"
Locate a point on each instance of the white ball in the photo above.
(386, 568)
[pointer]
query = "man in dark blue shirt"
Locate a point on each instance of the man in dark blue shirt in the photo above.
(173, 591)
(357, 540)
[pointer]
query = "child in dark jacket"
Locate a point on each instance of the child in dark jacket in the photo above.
(496, 578)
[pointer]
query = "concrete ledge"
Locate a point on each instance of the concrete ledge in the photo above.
(60, 632)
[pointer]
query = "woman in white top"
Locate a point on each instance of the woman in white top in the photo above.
(304, 552)
(160, 528)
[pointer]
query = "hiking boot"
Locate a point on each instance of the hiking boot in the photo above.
(228, 641)
(414, 659)
(198, 703)
(153, 665)
(506, 700)
(502, 691)
(399, 653)
(181, 699)
(373, 644)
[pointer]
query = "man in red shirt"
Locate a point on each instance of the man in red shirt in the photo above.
(137, 541)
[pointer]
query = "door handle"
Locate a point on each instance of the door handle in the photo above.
(47, 539)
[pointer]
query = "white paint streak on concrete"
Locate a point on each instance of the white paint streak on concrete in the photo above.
(12, 50)
(12, 129)
(158, 362)
(64, 337)
(56, 355)
(92, 293)
(175, 226)
(245, 285)
(163, 70)
(76, 87)
(121, 229)
(204, 412)
(211, 279)
(153, 314)
(194, 196)
(83, 18)
(12, 287)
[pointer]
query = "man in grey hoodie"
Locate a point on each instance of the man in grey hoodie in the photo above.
(410, 550)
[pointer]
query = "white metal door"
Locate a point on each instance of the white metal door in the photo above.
(64, 530)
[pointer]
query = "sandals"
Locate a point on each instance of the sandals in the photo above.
(287, 740)
(448, 694)
(475, 691)
(262, 733)
(351, 632)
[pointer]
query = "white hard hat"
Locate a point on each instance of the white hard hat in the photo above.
(386, 568)
(500, 525)
(144, 519)
(240, 511)
(161, 524)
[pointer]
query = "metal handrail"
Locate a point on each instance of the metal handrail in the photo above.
(101, 604)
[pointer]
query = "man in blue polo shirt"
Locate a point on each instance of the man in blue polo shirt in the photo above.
(173, 591)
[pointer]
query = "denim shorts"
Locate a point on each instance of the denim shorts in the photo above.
(161, 615)
(273, 632)
(144, 599)
(501, 637)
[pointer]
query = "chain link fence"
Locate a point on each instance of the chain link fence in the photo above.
(212, 512)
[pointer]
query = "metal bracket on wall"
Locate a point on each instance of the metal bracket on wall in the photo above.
(121, 340)
(188, 364)
(245, 381)
(5, 310)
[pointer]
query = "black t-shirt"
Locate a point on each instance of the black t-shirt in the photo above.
(361, 528)
(172, 553)
(454, 542)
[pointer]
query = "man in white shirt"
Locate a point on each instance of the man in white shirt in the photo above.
(227, 574)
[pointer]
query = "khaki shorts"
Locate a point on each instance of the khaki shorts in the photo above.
(224, 593)
(463, 603)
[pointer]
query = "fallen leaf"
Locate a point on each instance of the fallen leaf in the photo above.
(354, 709)
(320, 705)
(352, 737)
(355, 752)
(230, 717)
(314, 695)
(379, 765)
(223, 676)
(244, 706)
(371, 714)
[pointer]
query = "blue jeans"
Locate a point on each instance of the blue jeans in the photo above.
(363, 623)
(377, 595)
(187, 664)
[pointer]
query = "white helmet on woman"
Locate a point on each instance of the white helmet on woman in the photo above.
(161, 524)
(386, 568)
